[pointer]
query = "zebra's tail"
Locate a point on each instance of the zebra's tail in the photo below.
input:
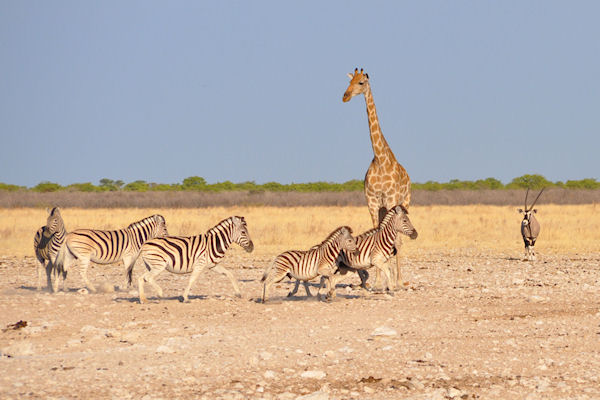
(267, 272)
(130, 270)
(59, 264)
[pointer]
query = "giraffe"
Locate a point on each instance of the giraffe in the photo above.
(387, 183)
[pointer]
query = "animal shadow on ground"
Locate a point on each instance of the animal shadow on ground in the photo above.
(156, 300)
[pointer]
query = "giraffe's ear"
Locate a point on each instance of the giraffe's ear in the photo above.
(350, 76)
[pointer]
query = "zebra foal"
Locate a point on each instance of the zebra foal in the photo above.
(46, 244)
(375, 247)
(107, 247)
(306, 265)
(191, 254)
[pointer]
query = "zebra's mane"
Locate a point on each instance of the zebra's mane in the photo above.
(384, 222)
(333, 235)
(225, 222)
(143, 222)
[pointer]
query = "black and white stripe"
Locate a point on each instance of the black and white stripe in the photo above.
(46, 244)
(107, 247)
(191, 254)
(376, 246)
(307, 265)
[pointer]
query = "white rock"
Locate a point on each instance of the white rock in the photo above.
(384, 331)
(265, 355)
(454, 393)
(313, 374)
(83, 291)
(269, 374)
(319, 395)
(164, 349)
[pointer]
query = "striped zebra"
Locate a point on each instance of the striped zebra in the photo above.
(46, 244)
(375, 247)
(307, 265)
(191, 254)
(107, 247)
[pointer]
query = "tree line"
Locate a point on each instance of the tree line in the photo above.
(197, 183)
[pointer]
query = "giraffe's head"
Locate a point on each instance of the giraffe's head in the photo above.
(359, 82)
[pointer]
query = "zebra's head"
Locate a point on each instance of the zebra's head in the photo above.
(346, 240)
(402, 223)
(240, 234)
(160, 227)
(359, 83)
(54, 222)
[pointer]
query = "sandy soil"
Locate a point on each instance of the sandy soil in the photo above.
(471, 324)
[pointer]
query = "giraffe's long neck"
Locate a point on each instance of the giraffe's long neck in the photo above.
(381, 149)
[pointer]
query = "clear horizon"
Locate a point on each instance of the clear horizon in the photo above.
(236, 91)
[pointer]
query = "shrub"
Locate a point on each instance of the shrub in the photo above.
(46, 187)
(10, 188)
(137, 186)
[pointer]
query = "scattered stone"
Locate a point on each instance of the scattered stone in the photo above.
(454, 393)
(384, 331)
(265, 355)
(313, 374)
(269, 374)
(164, 349)
(318, 395)
(83, 291)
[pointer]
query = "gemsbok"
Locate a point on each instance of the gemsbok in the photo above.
(530, 227)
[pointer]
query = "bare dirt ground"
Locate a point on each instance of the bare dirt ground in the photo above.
(471, 324)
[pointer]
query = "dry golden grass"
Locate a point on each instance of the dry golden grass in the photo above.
(565, 228)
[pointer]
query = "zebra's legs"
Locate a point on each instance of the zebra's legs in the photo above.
(307, 288)
(85, 262)
(276, 273)
(148, 276)
(68, 262)
(40, 268)
(197, 269)
(295, 289)
(297, 285)
(227, 273)
(398, 282)
(381, 266)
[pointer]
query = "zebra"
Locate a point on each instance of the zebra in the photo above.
(306, 265)
(375, 247)
(107, 247)
(191, 254)
(46, 244)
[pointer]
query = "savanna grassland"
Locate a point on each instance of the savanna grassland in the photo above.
(474, 322)
(565, 228)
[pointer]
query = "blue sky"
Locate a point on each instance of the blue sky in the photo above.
(252, 90)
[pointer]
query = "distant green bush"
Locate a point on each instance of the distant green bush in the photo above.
(11, 188)
(83, 187)
(47, 187)
(197, 183)
(137, 186)
(529, 181)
